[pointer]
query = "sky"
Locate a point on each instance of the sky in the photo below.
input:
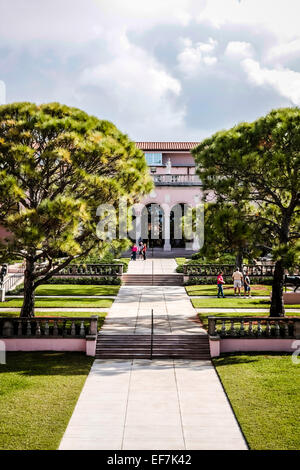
(159, 69)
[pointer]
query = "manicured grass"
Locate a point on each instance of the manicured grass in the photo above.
(234, 303)
(76, 289)
(180, 261)
(38, 392)
(204, 316)
(228, 290)
(264, 391)
(61, 302)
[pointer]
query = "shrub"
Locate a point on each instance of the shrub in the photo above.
(86, 281)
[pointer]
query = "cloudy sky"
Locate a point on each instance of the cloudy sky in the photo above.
(159, 69)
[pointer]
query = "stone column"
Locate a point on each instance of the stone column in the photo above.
(166, 231)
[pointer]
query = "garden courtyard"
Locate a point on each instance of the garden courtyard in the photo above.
(80, 402)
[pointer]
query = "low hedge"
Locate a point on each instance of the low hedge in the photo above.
(85, 281)
(200, 281)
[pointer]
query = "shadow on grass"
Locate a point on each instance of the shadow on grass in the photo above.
(243, 357)
(46, 363)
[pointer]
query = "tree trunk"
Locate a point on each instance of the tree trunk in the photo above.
(277, 304)
(239, 260)
(27, 310)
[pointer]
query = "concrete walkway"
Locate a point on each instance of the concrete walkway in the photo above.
(142, 404)
(158, 265)
(131, 311)
(159, 404)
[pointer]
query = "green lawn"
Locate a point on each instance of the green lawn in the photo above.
(76, 289)
(38, 392)
(228, 290)
(264, 391)
(234, 303)
(204, 316)
(62, 302)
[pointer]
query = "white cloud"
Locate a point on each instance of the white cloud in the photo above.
(280, 17)
(139, 89)
(193, 57)
(284, 51)
(285, 81)
(238, 50)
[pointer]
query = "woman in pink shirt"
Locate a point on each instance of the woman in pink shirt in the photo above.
(220, 282)
(134, 250)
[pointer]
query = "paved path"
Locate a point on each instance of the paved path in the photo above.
(131, 311)
(159, 266)
(159, 404)
(142, 404)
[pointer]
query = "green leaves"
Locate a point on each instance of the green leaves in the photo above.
(57, 165)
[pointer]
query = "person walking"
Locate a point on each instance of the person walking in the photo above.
(247, 287)
(237, 281)
(220, 282)
(144, 251)
(134, 250)
(141, 247)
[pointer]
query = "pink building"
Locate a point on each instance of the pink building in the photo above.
(177, 186)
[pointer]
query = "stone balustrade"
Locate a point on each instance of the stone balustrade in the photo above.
(49, 327)
(91, 270)
(254, 327)
(199, 270)
(176, 180)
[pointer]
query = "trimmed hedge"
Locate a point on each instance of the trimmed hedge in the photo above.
(86, 281)
(200, 281)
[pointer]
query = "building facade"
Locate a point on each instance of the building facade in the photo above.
(177, 187)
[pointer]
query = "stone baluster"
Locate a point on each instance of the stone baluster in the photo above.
(73, 329)
(286, 329)
(223, 329)
(232, 330)
(250, 328)
(259, 328)
(20, 324)
(82, 330)
(46, 328)
(8, 328)
(277, 328)
(268, 329)
(242, 328)
(28, 332)
(38, 329)
(55, 328)
(65, 330)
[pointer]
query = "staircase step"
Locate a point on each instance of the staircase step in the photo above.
(164, 346)
(152, 279)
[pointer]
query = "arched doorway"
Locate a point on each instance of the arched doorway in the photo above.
(177, 236)
(153, 214)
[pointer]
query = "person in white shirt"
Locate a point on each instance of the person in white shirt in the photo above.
(237, 281)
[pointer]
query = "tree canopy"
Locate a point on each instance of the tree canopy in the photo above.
(259, 163)
(232, 229)
(57, 165)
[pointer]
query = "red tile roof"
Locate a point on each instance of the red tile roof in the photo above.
(166, 145)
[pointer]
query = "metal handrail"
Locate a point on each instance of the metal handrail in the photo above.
(152, 332)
